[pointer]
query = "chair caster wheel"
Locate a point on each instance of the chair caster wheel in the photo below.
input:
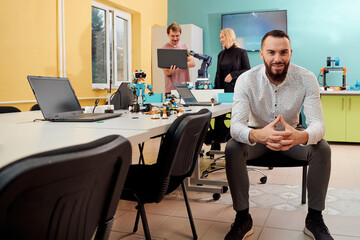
(263, 180)
(205, 174)
(210, 155)
(224, 189)
(216, 196)
(270, 168)
(201, 155)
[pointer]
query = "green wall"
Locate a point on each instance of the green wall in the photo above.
(317, 29)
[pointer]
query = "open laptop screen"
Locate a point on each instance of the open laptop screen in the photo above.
(126, 96)
(185, 93)
(54, 95)
(189, 98)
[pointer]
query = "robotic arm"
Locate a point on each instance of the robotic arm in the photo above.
(202, 72)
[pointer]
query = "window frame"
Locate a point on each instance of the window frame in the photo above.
(111, 22)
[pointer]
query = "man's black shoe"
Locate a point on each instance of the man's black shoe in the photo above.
(316, 228)
(240, 231)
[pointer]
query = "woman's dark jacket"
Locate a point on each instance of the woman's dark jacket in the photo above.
(233, 60)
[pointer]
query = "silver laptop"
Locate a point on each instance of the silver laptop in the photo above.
(168, 57)
(189, 98)
(58, 102)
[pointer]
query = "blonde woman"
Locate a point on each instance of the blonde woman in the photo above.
(232, 61)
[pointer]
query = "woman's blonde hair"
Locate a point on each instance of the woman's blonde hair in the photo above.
(230, 35)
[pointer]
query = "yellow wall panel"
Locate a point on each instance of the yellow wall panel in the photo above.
(29, 43)
(78, 47)
(28, 46)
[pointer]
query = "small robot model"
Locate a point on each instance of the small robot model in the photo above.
(138, 86)
(170, 101)
(330, 67)
(171, 105)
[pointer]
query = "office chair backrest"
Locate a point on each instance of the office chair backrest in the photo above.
(35, 107)
(188, 155)
(8, 109)
(65, 193)
(179, 146)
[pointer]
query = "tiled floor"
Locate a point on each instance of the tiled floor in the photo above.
(275, 206)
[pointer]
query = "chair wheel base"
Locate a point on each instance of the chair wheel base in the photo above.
(216, 196)
(210, 155)
(263, 180)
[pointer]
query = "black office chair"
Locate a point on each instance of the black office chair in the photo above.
(66, 193)
(215, 137)
(218, 133)
(176, 160)
(270, 161)
(274, 159)
(8, 109)
(35, 107)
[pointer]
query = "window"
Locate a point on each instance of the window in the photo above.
(111, 46)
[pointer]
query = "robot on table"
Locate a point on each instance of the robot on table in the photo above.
(138, 86)
(202, 79)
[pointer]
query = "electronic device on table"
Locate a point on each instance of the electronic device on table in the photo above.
(203, 76)
(189, 98)
(123, 97)
(58, 102)
(137, 87)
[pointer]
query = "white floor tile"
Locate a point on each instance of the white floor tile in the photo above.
(275, 207)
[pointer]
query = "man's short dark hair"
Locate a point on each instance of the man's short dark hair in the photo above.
(274, 33)
(174, 27)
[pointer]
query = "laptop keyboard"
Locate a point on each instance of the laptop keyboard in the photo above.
(203, 104)
(82, 116)
(87, 116)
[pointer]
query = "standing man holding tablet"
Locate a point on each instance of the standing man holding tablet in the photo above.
(175, 74)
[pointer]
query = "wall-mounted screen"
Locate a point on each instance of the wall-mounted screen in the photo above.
(251, 27)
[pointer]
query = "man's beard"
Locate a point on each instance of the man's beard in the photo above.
(278, 77)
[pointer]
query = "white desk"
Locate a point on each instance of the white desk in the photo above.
(28, 117)
(18, 131)
(21, 137)
(21, 140)
(128, 121)
(20, 117)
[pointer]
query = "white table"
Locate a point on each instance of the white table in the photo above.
(21, 140)
(21, 136)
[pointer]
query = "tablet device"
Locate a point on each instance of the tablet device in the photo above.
(168, 57)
